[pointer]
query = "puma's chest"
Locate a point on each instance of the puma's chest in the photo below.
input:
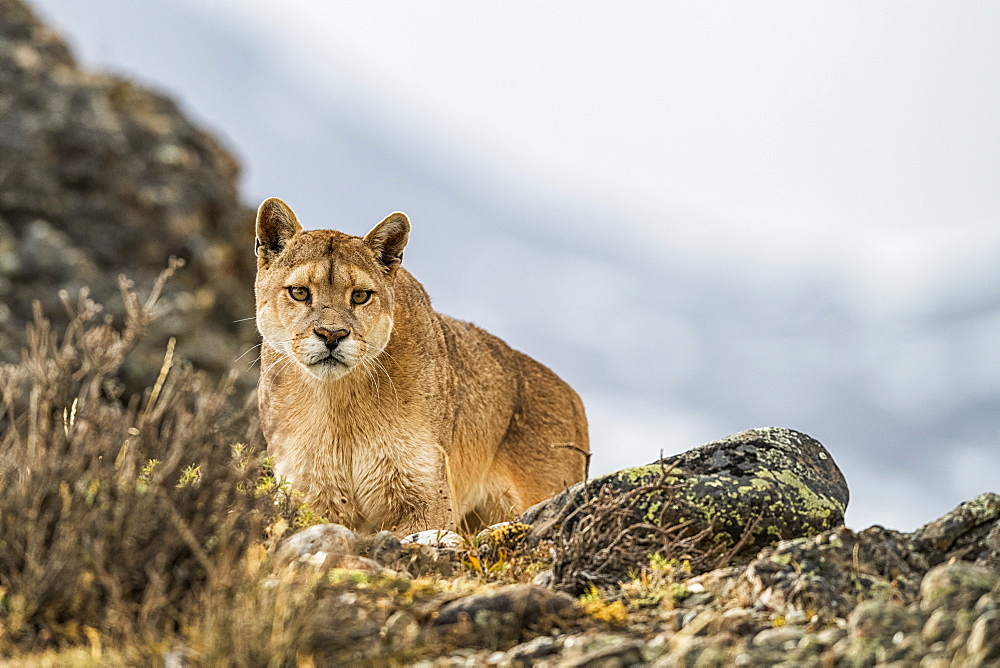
(355, 472)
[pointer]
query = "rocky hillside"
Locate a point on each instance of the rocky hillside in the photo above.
(100, 177)
(837, 598)
(142, 533)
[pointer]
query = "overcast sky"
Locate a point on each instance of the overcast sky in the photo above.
(818, 120)
(830, 169)
(860, 134)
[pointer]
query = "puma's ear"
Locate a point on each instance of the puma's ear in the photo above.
(388, 239)
(276, 224)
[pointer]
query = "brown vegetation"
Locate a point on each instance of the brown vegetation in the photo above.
(117, 513)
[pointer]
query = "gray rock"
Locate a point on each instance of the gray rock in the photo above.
(742, 622)
(497, 617)
(385, 548)
(533, 650)
(692, 651)
(435, 538)
(905, 650)
(990, 601)
(830, 636)
(320, 545)
(970, 532)
(780, 483)
(984, 639)
(418, 560)
(834, 570)
(496, 658)
(880, 621)
(401, 629)
(625, 653)
(956, 586)
(940, 626)
(827, 573)
(779, 636)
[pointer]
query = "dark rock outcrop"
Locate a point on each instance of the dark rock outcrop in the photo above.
(832, 571)
(932, 593)
(970, 532)
(500, 617)
(749, 490)
(100, 177)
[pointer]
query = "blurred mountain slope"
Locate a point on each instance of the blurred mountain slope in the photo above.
(99, 176)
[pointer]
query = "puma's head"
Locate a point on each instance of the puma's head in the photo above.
(324, 298)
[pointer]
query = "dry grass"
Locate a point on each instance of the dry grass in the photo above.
(116, 513)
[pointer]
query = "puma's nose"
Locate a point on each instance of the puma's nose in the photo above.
(331, 336)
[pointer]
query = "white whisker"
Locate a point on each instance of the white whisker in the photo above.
(374, 381)
(282, 357)
(247, 351)
(374, 361)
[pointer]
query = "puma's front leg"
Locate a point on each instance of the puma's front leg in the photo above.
(411, 497)
(430, 506)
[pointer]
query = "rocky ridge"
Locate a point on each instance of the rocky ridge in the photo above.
(797, 595)
(866, 598)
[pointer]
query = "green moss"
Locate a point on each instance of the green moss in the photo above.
(812, 505)
(679, 591)
(984, 507)
(351, 575)
(783, 558)
(642, 475)
(756, 485)
(636, 475)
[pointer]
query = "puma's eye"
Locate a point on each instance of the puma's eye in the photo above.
(361, 296)
(298, 293)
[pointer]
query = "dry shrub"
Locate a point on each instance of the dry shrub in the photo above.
(301, 618)
(604, 545)
(116, 513)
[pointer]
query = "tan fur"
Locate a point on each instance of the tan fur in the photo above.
(425, 421)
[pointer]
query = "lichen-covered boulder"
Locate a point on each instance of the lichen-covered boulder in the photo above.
(831, 572)
(759, 487)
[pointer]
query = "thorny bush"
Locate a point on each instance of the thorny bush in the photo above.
(116, 512)
(602, 545)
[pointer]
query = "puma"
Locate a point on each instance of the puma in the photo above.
(382, 412)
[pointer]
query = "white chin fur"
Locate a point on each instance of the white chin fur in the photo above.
(327, 370)
(316, 360)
